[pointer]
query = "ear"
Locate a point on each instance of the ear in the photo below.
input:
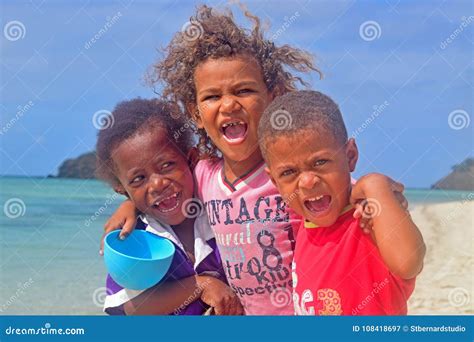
(352, 154)
(193, 110)
(267, 170)
(121, 190)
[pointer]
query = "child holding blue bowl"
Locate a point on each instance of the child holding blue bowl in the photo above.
(338, 270)
(142, 158)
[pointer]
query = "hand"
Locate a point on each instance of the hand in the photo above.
(360, 203)
(124, 218)
(219, 296)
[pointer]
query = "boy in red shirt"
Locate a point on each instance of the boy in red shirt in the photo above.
(337, 269)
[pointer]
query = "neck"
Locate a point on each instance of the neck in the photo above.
(235, 169)
(187, 224)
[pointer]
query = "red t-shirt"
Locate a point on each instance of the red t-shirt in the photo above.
(338, 270)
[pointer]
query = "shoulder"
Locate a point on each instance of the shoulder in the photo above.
(206, 165)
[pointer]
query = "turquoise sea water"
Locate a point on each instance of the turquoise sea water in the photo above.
(49, 239)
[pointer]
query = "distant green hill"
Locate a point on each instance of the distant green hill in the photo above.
(460, 178)
(80, 167)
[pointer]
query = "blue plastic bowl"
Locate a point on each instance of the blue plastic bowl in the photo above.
(138, 262)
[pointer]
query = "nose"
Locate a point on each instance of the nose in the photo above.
(229, 104)
(157, 184)
(308, 180)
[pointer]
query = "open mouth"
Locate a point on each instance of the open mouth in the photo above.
(234, 132)
(318, 205)
(169, 203)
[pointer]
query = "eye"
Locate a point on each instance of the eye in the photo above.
(210, 97)
(245, 91)
(167, 165)
(136, 180)
(320, 162)
(287, 173)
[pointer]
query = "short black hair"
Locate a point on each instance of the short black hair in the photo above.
(298, 111)
(138, 116)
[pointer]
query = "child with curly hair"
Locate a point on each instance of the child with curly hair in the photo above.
(225, 76)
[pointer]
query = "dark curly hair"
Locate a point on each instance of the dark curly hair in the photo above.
(136, 117)
(299, 111)
(213, 34)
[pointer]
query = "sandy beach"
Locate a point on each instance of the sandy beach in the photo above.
(445, 286)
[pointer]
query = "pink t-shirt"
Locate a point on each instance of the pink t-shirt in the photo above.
(254, 232)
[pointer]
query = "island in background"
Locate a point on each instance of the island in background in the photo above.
(460, 178)
(81, 167)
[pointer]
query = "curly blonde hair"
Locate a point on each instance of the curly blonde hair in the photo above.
(213, 34)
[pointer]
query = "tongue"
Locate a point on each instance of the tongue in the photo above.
(235, 131)
(167, 203)
(319, 205)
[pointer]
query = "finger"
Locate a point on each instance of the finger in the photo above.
(101, 250)
(358, 210)
(397, 187)
(106, 231)
(218, 310)
(402, 200)
(112, 225)
(239, 310)
(106, 225)
(127, 228)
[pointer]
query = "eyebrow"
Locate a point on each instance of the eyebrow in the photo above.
(284, 167)
(135, 170)
(309, 160)
(237, 85)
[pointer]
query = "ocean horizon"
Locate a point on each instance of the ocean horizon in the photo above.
(50, 234)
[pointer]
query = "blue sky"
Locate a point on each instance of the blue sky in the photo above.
(404, 85)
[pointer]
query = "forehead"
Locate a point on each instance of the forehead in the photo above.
(300, 143)
(143, 147)
(225, 69)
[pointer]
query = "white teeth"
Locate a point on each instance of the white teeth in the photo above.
(315, 198)
(233, 124)
(172, 196)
